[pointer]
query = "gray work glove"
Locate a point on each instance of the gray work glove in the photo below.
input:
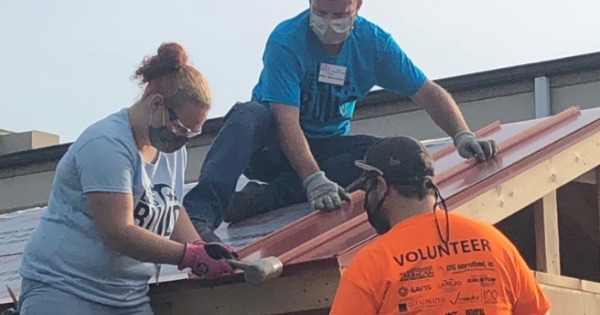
(468, 146)
(324, 194)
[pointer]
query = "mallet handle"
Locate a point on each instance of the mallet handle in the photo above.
(239, 264)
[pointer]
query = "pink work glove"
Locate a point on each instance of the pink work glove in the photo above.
(208, 260)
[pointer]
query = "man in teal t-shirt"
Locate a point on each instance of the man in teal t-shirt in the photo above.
(293, 134)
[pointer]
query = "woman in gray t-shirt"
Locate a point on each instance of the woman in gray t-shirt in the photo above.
(115, 207)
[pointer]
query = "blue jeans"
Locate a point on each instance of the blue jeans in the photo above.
(248, 144)
(39, 299)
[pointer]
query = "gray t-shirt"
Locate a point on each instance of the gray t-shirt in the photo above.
(67, 251)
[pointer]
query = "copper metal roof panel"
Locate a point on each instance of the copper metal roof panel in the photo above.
(321, 235)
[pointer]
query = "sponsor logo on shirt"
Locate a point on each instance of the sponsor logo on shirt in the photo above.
(449, 285)
(402, 307)
(417, 273)
(451, 313)
(469, 266)
(489, 296)
(475, 311)
(483, 280)
(404, 291)
(432, 252)
(420, 303)
(158, 212)
(465, 298)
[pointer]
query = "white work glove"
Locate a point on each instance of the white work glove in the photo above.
(468, 146)
(324, 194)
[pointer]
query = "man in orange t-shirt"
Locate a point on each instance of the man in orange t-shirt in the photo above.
(425, 262)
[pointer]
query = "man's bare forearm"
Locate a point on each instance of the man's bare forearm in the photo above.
(292, 140)
(441, 107)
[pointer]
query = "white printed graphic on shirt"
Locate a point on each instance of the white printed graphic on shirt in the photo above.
(158, 213)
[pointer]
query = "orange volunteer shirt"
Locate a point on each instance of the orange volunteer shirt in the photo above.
(408, 270)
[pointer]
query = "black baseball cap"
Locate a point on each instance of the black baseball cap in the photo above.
(400, 160)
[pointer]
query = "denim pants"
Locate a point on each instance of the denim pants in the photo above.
(41, 299)
(248, 144)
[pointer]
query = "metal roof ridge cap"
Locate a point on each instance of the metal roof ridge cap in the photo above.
(359, 244)
(321, 238)
(307, 221)
(522, 165)
(544, 125)
(298, 266)
(486, 130)
(532, 131)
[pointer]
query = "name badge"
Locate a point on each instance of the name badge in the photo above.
(332, 74)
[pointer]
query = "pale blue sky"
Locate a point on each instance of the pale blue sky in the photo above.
(65, 64)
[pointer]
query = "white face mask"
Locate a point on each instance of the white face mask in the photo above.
(331, 31)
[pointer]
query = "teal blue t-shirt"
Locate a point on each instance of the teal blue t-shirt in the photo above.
(294, 59)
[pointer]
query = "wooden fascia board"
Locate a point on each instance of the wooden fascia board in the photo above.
(534, 183)
(567, 282)
(310, 290)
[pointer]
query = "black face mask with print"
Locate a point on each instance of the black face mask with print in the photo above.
(164, 140)
(375, 217)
